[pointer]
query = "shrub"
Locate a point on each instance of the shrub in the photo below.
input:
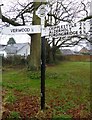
(14, 60)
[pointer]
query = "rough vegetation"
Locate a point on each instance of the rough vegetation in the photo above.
(67, 93)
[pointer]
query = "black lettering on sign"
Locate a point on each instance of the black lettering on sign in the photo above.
(13, 30)
(20, 30)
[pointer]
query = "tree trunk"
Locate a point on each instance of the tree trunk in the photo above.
(49, 56)
(54, 54)
(50, 53)
(35, 53)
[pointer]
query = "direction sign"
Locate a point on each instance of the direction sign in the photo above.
(21, 30)
(68, 30)
(24, 30)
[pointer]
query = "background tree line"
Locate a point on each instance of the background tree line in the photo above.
(60, 12)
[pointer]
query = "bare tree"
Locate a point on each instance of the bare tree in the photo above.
(87, 18)
(65, 12)
(68, 11)
(24, 14)
(61, 11)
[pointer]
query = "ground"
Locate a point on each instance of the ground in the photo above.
(67, 92)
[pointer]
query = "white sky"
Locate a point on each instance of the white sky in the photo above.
(18, 38)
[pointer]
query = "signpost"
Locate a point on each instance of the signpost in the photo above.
(54, 31)
(41, 13)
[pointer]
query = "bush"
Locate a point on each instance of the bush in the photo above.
(14, 60)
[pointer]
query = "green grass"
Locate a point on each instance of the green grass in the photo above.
(20, 80)
(14, 115)
(9, 98)
(67, 86)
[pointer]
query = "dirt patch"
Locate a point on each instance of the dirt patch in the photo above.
(24, 108)
(27, 107)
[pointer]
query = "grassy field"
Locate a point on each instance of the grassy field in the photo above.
(67, 90)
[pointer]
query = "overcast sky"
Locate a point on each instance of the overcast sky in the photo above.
(18, 38)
